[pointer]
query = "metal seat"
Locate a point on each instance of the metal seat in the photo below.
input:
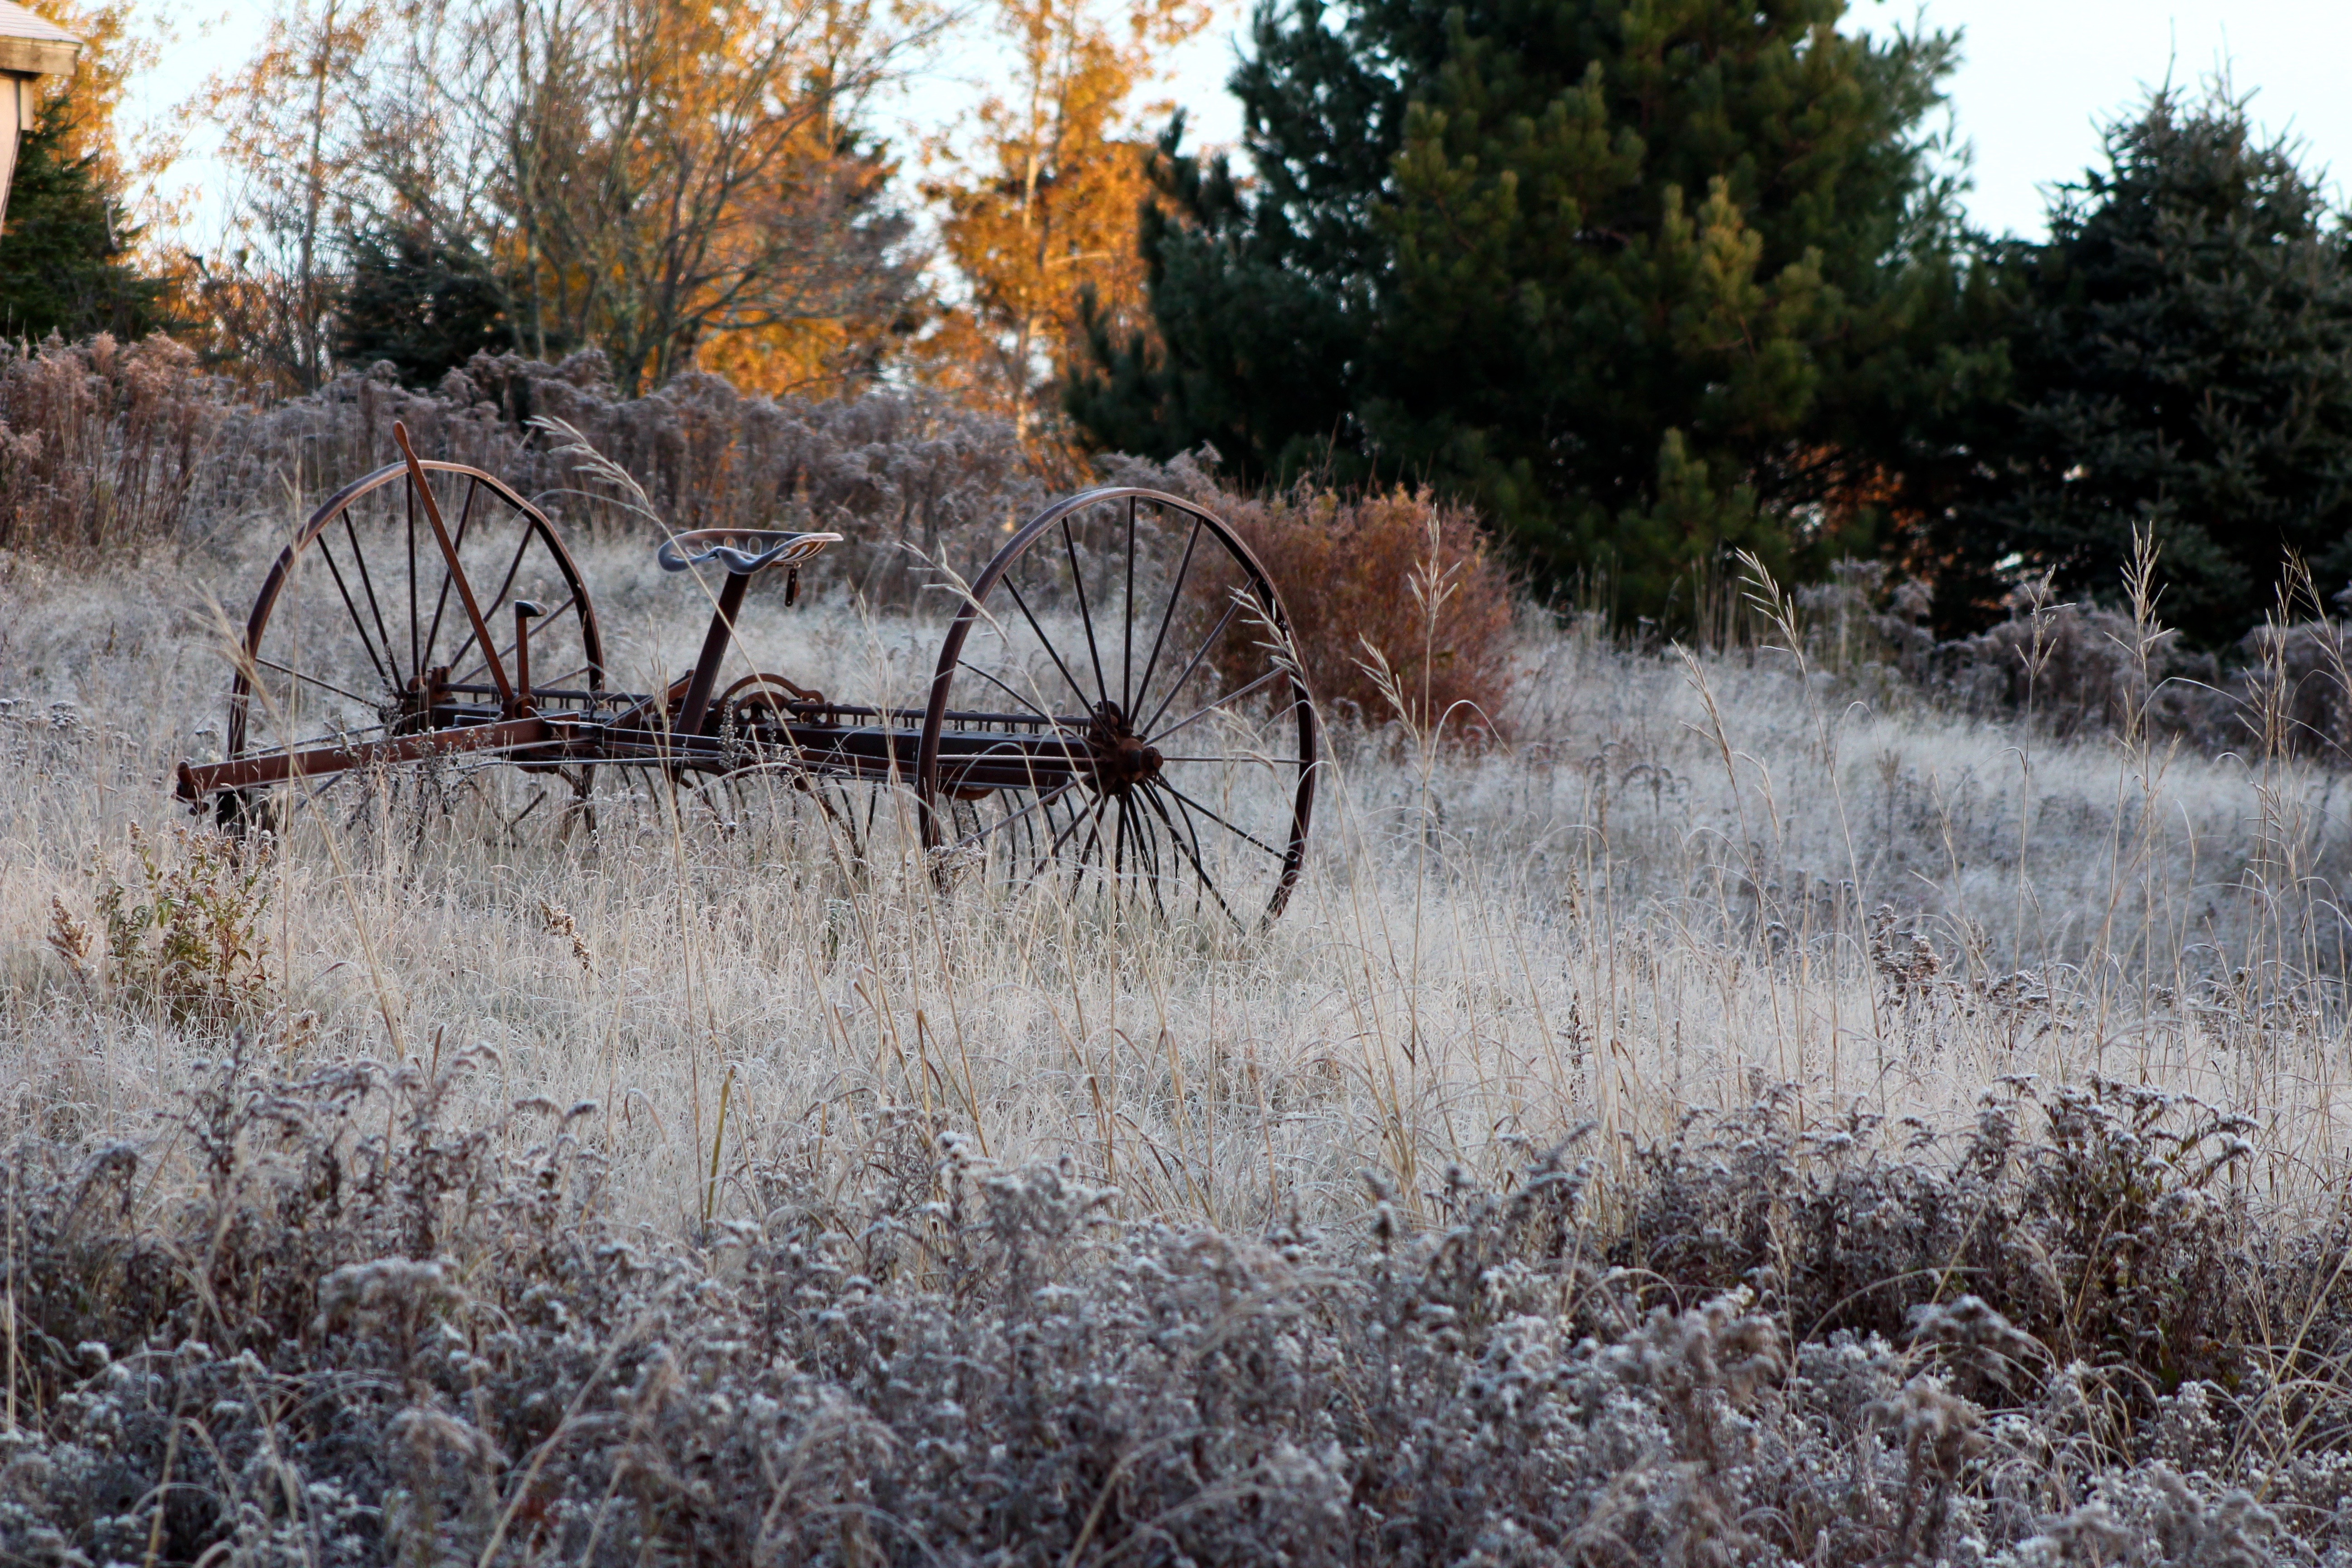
(741, 551)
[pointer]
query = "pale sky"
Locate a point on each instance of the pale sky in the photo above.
(2035, 78)
(2036, 75)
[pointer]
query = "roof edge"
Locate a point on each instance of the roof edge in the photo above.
(36, 56)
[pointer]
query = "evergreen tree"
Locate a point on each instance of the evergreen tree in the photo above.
(427, 306)
(2182, 355)
(1649, 280)
(64, 244)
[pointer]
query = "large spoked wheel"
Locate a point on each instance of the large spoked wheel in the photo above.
(360, 632)
(1127, 654)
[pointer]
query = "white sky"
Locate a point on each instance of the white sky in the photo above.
(2036, 77)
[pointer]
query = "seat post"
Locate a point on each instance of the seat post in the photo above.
(714, 649)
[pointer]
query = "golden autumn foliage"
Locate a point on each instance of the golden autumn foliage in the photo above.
(679, 185)
(115, 47)
(1044, 205)
(688, 184)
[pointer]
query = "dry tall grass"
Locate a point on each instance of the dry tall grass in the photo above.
(1694, 878)
(1860, 938)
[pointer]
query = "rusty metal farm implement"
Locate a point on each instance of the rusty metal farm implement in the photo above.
(1114, 705)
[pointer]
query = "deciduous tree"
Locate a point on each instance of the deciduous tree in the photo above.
(673, 182)
(291, 133)
(651, 176)
(1040, 213)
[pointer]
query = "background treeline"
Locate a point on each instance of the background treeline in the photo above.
(1642, 286)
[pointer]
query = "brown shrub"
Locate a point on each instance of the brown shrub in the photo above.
(101, 444)
(105, 445)
(1397, 602)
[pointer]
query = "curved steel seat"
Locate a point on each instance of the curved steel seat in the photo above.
(741, 551)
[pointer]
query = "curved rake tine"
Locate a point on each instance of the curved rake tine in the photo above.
(1076, 820)
(1007, 821)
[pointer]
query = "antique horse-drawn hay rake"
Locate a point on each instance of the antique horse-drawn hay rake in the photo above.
(1116, 706)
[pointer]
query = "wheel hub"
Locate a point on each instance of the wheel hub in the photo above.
(1121, 758)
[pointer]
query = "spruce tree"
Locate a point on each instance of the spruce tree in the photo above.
(64, 245)
(1646, 280)
(2182, 355)
(425, 305)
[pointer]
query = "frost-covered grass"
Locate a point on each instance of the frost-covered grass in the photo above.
(693, 1192)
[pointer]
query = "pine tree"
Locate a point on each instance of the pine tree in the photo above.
(1648, 280)
(2182, 355)
(64, 247)
(420, 302)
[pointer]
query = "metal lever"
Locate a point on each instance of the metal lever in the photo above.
(456, 571)
(525, 612)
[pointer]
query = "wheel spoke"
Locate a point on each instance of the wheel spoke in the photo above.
(441, 601)
(1207, 881)
(1146, 855)
(359, 561)
(1191, 831)
(1126, 622)
(1143, 688)
(338, 690)
(485, 664)
(1241, 691)
(358, 625)
(1085, 617)
(1051, 651)
(1212, 816)
(1250, 759)
(1012, 694)
(556, 681)
(521, 547)
(1211, 641)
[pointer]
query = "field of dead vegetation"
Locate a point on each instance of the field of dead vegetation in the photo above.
(1732, 1109)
